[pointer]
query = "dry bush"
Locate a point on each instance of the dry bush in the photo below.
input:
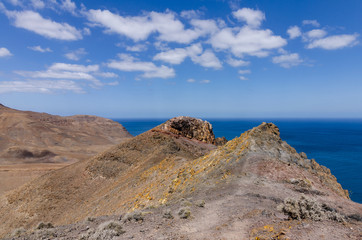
(184, 213)
(305, 208)
(107, 231)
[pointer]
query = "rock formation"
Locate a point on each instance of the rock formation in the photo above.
(192, 128)
(173, 184)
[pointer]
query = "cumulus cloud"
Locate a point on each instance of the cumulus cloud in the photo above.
(294, 32)
(174, 56)
(195, 52)
(314, 23)
(4, 52)
(67, 71)
(39, 86)
(287, 60)
(316, 33)
(252, 17)
(74, 67)
(243, 78)
(150, 70)
(34, 22)
(139, 28)
(207, 59)
(68, 6)
(334, 42)
(137, 48)
(37, 4)
(247, 41)
(190, 80)
(190, 14)
(237, 62)
(76, 55)
(40, 49)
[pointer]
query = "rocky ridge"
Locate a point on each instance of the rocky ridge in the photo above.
(164, 184)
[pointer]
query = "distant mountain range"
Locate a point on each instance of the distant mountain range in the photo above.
(31, 137)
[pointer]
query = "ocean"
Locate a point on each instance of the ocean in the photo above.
(336, 144)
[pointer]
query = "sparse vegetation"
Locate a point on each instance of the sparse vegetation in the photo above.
(200, 203)
(167, 214)
(305, 208)
(43, 225)
(18, 232)
(184, 213)
(136, 215)
(107, 230)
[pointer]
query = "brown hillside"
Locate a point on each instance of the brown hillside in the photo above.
(40, 137)
(32, 144)
(183, 188)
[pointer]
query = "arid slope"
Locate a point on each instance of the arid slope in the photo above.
(169, 184)
(28, 137)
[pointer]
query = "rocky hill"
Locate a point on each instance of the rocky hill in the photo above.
(173, 183)
(39, 137)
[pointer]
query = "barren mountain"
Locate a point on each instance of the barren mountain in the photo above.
(32, 140)
(40, 137)
(172, 183)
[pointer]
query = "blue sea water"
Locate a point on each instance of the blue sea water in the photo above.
(336, 144)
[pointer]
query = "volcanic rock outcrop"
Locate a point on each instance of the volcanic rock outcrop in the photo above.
(192, 128)
(162, 184)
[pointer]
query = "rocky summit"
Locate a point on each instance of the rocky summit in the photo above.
(172, 182)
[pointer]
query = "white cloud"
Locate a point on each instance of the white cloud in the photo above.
(76, 55)
(74, 67)
(40, 49)
(246, 71)
(207, 59)
(247, 41)
(39, 86)
(243, 78)
(107, 74)
(294, 32)
(316, 33)
(37, 4)
(15, 2)
(205, 81)
(34, 22)
(287, 60)
(237, 62)
(314, 23)
(190, 80)
(68, 6)
(334, 42)
(86, 31)
(4, 52)
(190, 14)
(149, 69)
(252, 17)
(65, 71)
(174, 56)
(137, 48)
(178, 55)
(139, 28)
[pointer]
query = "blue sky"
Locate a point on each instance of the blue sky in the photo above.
(160, 59)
